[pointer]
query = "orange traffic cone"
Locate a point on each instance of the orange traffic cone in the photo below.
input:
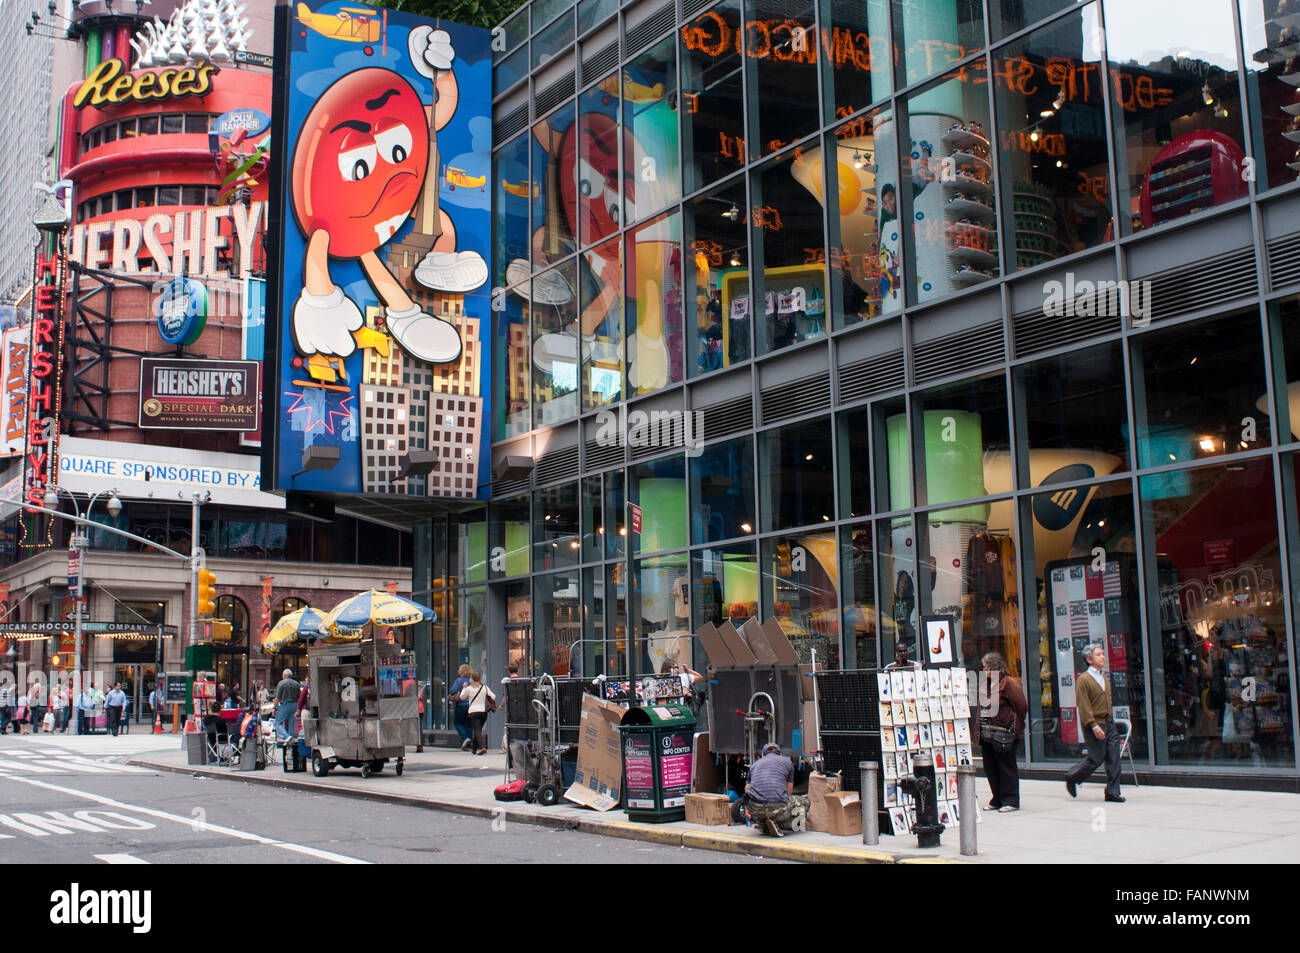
(157, 723)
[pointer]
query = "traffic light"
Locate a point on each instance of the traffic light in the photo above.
(207, 594)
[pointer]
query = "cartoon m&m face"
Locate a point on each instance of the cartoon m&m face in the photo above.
(360, 161)
(591, 198)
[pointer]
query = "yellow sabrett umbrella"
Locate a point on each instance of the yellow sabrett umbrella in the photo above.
(302, 623)
(379, 608)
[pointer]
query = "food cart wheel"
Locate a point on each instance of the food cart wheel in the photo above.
(548, 795)
(365, 770)
(401, 763)
(529, 792)
(318, 765)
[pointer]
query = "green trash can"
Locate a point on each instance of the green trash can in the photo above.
(658, 742)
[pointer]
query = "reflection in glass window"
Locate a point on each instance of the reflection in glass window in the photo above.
(555, 345)
(896, 569)
(591, 659)
(592, 12)
(555, 40)
(1012, 16)
(796, 482)
(513, 191)
(713, 129)
(781, 48)
(1273, 85)
(510, 70)
(1175, 107)
(148, 125)
(661, 617)
(1077, 553)
(654, 305)
(724, 585)
(789, 300)
(557, 622)
(865, 238)
(893, 454)
(964, 432)
(602, 324)
(722, 491)
(659, 488)
(858, 567)
(651, 158)
(600, 177)
(173, 123)
(1226, 693)
(1201, 386)
(855, 48)
(854, 458)
(615, 514)
(555, 527)
(1052, 141)
(1074, 417)
(510, 371)
(508, 530)
(554, 187)
(949, 183)
(935, 34)
(1285, 321)
(800, 579)
(719, 258)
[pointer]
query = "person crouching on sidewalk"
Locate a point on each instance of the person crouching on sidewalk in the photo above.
(769, 794)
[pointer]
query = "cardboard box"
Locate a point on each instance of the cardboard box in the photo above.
(809, 727)
(820, 785)
(711, 810)
(708, 776)
(843, 813)
(598, 779)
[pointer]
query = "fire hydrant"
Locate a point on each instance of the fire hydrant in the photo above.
(920, 787)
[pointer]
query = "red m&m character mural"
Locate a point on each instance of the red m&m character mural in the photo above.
(361, 165)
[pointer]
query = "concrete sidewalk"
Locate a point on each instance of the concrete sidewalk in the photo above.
(1157, 825)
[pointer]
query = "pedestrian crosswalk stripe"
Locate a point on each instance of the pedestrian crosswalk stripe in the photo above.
(32, 766)
(119, 859)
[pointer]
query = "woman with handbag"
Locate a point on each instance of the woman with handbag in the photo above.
(460, 716)
(999, 726)
(481, 702)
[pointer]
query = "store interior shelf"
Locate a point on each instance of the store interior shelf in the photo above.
(957, 138)
(968, 183)
(972, 256)
(968, 207)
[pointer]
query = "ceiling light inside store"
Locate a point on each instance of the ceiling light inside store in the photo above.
(1033, 136)
(1059, 101)
(809, 457)
(732, 213)
(1207, 94)
(1206, 444)
(735, 261)
(746, 527)
(1060, 164)
(1047, 113)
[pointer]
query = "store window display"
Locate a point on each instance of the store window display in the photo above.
(963, 430)
(864, 250)
(600, 324)
(652, 165)
(896, 586)
(1071, 416)
(1175, 108)
(892, 452)
(945, 187)
(601, 177)
(713, 117)
(722, 491)
(932, 34)
(1284, 324)
(662, 616)
(857, 64)
(1203, 390)
(724, 585)
(659, 488)
(795, 476)
(1052, 141)
(1226, 693)
(854, 461)
(800, 583)
(718, 294)
(1080, 588)
(1270, 34)
(553, 186)
(857, 571)
(555, 345)
(654, 305)
(508, 537)
(786, 229)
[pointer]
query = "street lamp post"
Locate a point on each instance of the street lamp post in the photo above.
(80, 542)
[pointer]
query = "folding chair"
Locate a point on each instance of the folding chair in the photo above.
(221, 750)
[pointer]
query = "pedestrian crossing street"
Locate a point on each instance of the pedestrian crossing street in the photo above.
(36, 756)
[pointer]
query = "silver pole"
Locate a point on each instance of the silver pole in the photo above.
(870, 811)
(79, 542)
(194, 570)
(966, 805)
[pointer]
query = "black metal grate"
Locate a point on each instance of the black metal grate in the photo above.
(1283, 261)
(796, 397)
(970, 348)
(507, 487)
(603, 456)
(729, 416)
(1034, 331)
(557, 465)
(843, 753)
(873, 375)
(511, 123)
(550, 97)
(599, 63)
(692, 7)
(1203, 284)
(848, 700)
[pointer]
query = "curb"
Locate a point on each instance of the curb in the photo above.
(701, 839)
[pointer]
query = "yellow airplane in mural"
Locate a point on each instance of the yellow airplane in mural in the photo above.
(353, 24)
(459, 178)
(632, 90)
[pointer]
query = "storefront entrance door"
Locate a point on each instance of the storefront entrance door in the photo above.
(137, 682)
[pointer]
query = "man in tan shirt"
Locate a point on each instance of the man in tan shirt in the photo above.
(1092, 694)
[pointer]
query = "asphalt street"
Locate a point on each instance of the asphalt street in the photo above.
(59, 805)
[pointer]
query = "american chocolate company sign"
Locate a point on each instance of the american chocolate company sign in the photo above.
(177, 394)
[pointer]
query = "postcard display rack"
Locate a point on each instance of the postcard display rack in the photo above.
(923, 710)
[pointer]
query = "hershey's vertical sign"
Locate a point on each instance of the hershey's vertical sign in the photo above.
(41, 460)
